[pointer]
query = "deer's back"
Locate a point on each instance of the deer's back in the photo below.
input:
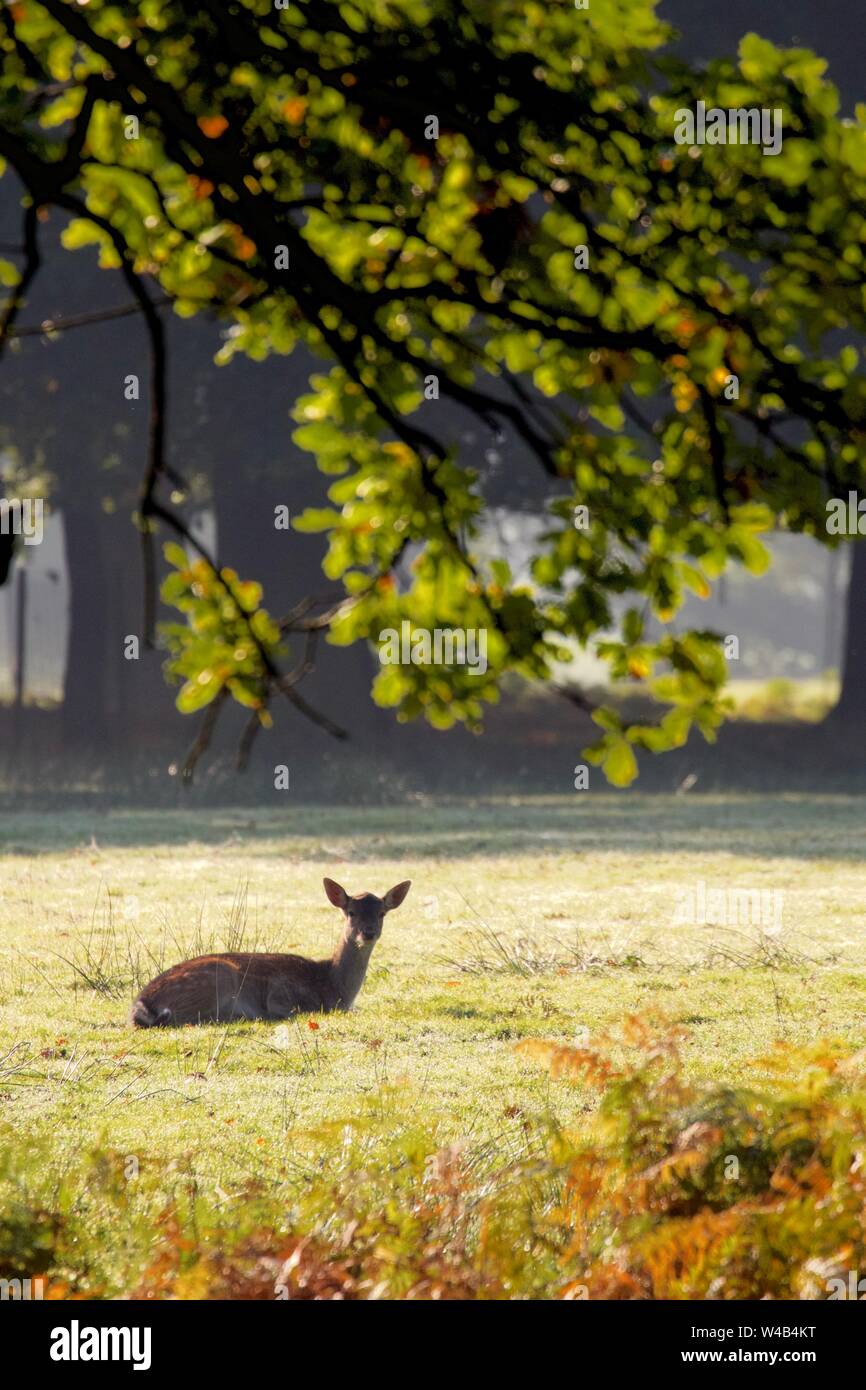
(232, 985)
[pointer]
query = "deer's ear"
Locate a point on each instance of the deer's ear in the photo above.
(395, 896)
(336, 895)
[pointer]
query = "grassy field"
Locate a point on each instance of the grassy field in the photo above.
(546, 918)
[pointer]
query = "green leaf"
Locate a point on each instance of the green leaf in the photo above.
(620, 764)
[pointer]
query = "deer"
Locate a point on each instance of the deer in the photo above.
(267, 985)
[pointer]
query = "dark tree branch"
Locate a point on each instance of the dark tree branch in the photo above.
(32, 261)
(717, 451)
(49, 326)
(155, 466)
(203, 738)
(576, 697)
(247, 739)
(40, 178)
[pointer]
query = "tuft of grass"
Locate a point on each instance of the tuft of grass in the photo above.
(489, 952)
(114, 959)
(762, 950)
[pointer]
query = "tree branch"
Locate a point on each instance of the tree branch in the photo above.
(32, 262)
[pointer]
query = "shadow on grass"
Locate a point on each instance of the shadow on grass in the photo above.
(790, 826)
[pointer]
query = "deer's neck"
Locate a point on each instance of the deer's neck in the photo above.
(349, 966)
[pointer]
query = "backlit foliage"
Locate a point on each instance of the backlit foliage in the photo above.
(668, 1189)
(304, 128)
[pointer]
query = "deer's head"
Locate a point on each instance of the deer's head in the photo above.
(365, 913)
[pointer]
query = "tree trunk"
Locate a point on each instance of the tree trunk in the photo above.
(850, 712)
(109, 702)
(85, 710)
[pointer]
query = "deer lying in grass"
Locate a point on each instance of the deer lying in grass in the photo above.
(244, 984)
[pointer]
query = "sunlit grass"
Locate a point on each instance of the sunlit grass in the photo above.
(547, 918)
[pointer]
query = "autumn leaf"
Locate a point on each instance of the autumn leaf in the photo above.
(244, 248)
(685, 329)
(212, 126)
(294, 109)
(202, 188)
(401, 452)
